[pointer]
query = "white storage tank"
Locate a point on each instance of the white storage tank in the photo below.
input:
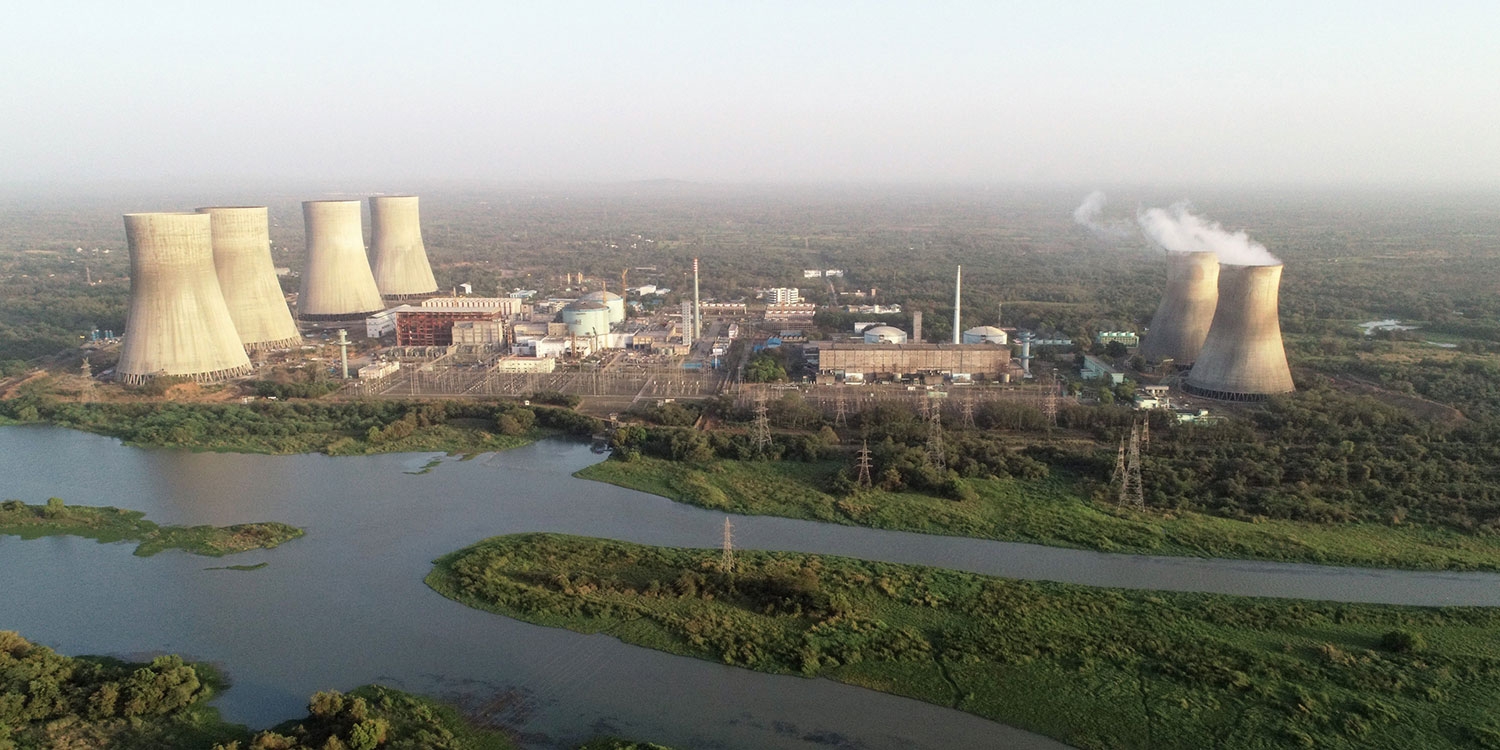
(586, 318)
(885, 335)
(986, 335)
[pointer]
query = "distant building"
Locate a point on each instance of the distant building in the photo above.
(791, 311)
(431, 325)
(1128, 338)
(381, 324)
(1095, 368)
(783, 296)
(378, 370)
(525, 364)
(812, 273)
(479, 332)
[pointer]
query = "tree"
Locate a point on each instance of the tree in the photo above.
(763, 368)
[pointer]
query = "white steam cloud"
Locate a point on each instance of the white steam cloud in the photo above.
(1178, 230)
(1087, 214)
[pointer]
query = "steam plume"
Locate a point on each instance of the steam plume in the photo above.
(1178, 230)
(1087, 215)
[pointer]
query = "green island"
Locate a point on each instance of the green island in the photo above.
(57, 518)
(48, 700)
(1319, 477)
(337, 428)
(1095, 668)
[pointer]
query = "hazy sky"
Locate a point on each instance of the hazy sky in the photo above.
(1110, 92)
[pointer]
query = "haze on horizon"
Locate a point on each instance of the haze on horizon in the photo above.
(1337, 93)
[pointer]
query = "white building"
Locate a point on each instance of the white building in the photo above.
(378, 370)
(783, 296)
(525, 364)
(381, 323)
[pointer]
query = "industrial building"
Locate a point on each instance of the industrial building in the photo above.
(795, 311)
(1186, 311)
(247, 277)
(783, 296)
(337, 283)
(1125, 338)
(1243, 358)
(489, 333)
(884, 335)
(895, 361)
(178, 323)
(614, 302)
(586, 318)
(508, 306)
(433, 326)
(986, 335)
(1095, 368)
(401, 268)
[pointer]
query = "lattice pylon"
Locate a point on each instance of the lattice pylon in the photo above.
(864, 464)
(937, 454)
(760, 433)
(840, 409)
(966, 412)
(726, 562)
(1132, 492)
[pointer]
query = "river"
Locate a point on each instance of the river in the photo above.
(346, 605)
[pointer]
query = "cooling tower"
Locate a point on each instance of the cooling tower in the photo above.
(1242, 358)
(336, 283)
(178, 323)
(1187, 309)
(401, 268)
(242, 258)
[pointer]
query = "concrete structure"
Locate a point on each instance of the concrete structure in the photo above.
(1127, 338)
(433, 326)
(400, 258)
(614, 302)
(884, 335)
(178, 323)
(336, 282)
(986, 335)
(1186, 311)
(381, 324)
(697, 305)
(958, 286)
(478, 332)
(725, 308)
(1097, 369)
(783, 296)
(1243, 358)
(378, 370)
(877, 361)
(525, 364)
(800, 310)
(585, 318)
(916, 326)
(247, 277)
(687, 325)
(507, 306)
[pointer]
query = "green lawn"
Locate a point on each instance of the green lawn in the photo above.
(1049, 511)
(1096, 668)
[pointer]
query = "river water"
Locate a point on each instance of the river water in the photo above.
(345, 605)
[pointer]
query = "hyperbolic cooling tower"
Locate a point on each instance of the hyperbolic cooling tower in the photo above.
(242, 258)
(1187, 309)
(337, 283)
(401, 268)
(1243, 358)
(178, 322)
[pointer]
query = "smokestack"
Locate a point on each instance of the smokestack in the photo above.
(178, 323)
(1243, 358)
(1186, 311)
(916, 327)
(247, 277)
(697, 306)
(400, 258)
(958, 287)
(336, 283)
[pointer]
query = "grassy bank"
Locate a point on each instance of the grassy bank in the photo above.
(1050, 511)
(1096, 668)
(115, 525)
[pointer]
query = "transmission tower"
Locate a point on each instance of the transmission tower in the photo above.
(1132, 493)
(1049, 408)
(760, 431)
(726, 563)
(863, 462)
(1146, 433)
(966, 412)
(937, 455)
(840, 415)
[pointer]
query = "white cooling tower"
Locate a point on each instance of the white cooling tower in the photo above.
(400, 258)
(247, 276)
(336, 283)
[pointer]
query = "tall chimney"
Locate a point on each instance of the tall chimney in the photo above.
(916, 327)
(958, 287)
(697, 306)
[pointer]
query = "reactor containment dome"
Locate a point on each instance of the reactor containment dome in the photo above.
(614, 302)
(1186, 311)
(400, 258)
(1243, 358)
(247, 276)
(336, 283)
(178, 324)
(986, 335)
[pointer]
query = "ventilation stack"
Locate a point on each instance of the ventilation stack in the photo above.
(1186, 311)
(178, 323)
(1243, 358)
(336, 283)
(401, 267)
(247, 276)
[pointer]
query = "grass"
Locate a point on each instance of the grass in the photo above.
(1051, 512)
(109, 524)
(1096, 668)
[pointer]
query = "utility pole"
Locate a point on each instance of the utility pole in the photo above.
(863, 462)
(726, 563)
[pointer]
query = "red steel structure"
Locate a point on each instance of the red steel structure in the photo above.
(426, 326)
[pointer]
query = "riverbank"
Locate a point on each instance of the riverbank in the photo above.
(115, 525)
(1096, 668)
(1051, 511)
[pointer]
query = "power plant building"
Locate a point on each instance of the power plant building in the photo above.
(586, 318)
(895, 361)
(247, 277)
(178, 323)
(884, 335)
(1186, 312)
(986, 335)
(337, 283)
(614, 302)
(400, 259)
(433, 326)
(1243, 358)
